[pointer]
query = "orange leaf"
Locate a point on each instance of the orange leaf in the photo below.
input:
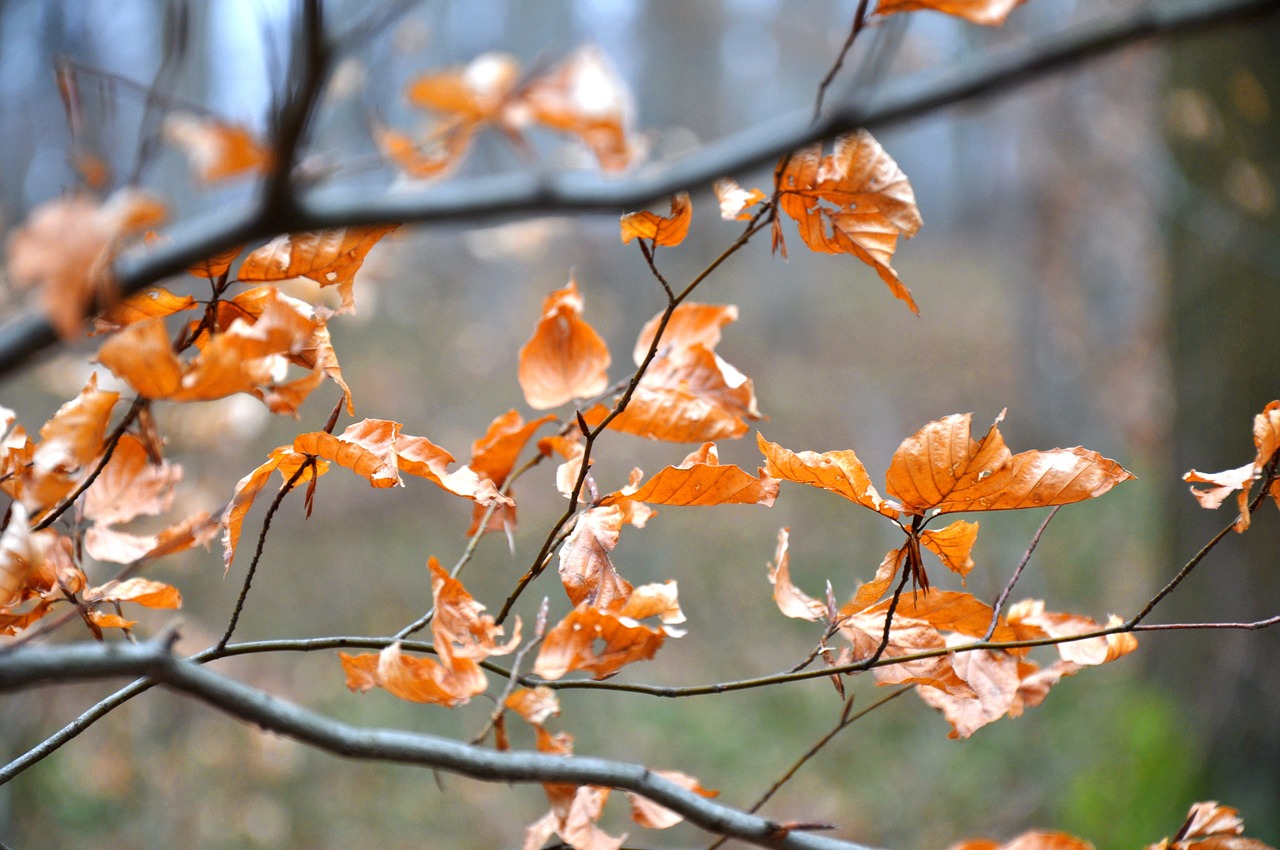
(156, 302)
(701, 480)
(993, 679)
(20, 555)
(1088, 652)
(460, 628)
(130, 485)
(66, 248)
(584, 96)
(691, 325)
(152, 594)
(141, 355)
(948, 610)
(535, 705)
(108, 544)
(839, 472)
(595, 641)
(493, 456)
(1034, 840)
(734, 200)
(585, 567)
(952, 545)
(216, 265)
(655, 600)
(69, 442)
(414, 679)
(854, 200)
(942, 467)
(652, 816)
(329, 257)
(572, 450)
(474, 93)
(865, 631)
(670, 229)
(987, 12)
(216, 150)
(1266, 440)
(433, 159)
(869, 592)
(565, 358)
(283, 458)
(792, 601)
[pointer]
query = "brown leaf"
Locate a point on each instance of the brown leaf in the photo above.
(494, 455)
(941, 467)
(839, 472)
(734, 200)
(792, 601)
(156, 302)
(854, 200)
(596, 641)
(701, 480)
(130, 485)
(216, 265)
(655, 600)
(535, 705)
(947, 610)
(329, 257)
(414, 679)
(151, 594)
(585, 567)
(987, 12)
(669, 230)
(66, 248)
(69, 442)
(284, 459)
(216, 149)
(20, 555)
(585, 97)
(1266, 440)
(865, 631)
(952, 545)
(460, 627)
(993, 678)
(1034, 840)
(652, 816)
(1088, 652)
(869, 592)
(565, 358)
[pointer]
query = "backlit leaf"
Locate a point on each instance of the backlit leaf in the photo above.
(988, 12)
(596, 641)
(1266, 441)
(585, 566)
(66, 247)
(156, 302)
(663, 230)
(1034, 840)
(941, 467)
(151, 594)
(854, 200)
(701, 480)
(414, 679)
(584, 97)
(839, 472)
(565, 359)
(535, 705)
(284, 459)
(952, 545)
(216, 149)
(734, 200)
(329, 257)
(69, 442)
(792, 601)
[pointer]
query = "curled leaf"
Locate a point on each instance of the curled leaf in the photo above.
(663, 230)
(565, 359)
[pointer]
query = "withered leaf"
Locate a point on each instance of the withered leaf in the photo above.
(216, 149)
(839, 472)
(596, 641)
(585, 97)
(156, 302)
(952, 545)
(792, 601)
(941, 467)
(1033, 840)
(701, 480)
(565, 359)
(414, 679)
(987, 12)
(585, 566)
(652, 816)
(670, 229)
(1266, 441)
(854, 200)
(329, 257)
(734, 200)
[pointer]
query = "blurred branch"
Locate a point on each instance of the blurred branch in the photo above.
(520, 194)
(45, 665)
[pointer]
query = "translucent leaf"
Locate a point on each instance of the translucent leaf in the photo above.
(565, 359)
(670, 229)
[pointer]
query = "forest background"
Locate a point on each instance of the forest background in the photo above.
(1098, 256)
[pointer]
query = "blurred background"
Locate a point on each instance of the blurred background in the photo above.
(1099, 255)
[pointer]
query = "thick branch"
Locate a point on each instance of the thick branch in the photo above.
(510, 195)
(94, 661)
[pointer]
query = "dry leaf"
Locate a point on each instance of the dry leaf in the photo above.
(329, 257)
(987, 12)
(565, 359)
(941, 467)
(1266, 441)
(596, 641)
(585, 97)
(585, 567)
(839, 472)
(792, 601)
(734, 200)
(652, 816)
(854, 200)
(701, 480)
(216, 149)
(670, 229)
(66, 247)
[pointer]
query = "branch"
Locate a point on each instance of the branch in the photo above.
(513, 195)
(155, 660)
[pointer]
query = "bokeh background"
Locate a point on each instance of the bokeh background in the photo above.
(1099, 255)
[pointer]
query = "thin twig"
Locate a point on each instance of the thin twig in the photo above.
(1017, 573)
(262, 542)
(859, 21)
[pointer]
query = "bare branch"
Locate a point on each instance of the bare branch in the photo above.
(514, 195)
(44, 665)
